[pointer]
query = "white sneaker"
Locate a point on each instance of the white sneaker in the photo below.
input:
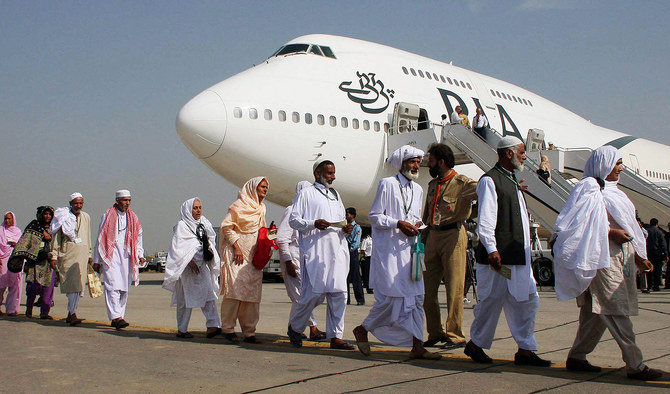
(466, 301)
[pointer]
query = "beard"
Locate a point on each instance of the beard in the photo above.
(433, 171)
(413, 176)
(518, 164)
(324, 181)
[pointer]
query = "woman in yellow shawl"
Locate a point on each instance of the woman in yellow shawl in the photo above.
(241, 282)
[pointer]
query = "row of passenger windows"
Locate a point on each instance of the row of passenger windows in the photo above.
(510, 98)
(658, 175)
(429, 75)
(309, 119)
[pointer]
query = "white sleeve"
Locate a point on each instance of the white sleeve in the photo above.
(96, 253)
(296, 218)
(140, 245)
(378, 217)
(284, 233)
(455, 119)
(487, 213)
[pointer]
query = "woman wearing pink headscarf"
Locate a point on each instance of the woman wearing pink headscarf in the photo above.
(241, 281)
(9, 235)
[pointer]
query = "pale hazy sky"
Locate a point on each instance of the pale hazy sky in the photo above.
(89, 90)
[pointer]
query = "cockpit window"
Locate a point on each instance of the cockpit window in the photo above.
(319, 50)
(292, 48)
(327, 51)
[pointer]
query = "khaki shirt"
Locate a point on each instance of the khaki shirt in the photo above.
(456, 202)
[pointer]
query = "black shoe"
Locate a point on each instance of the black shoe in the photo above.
(533, 360)
(120, 324)
(453, 345)
(656, 289)
(213, 333)
(370, 291)
(294, 337)
(477, 354)
(359, 303)
(251, 339)
(577, 365)
(645, 291)
(434, 342)
(231, 337)
(646, 374)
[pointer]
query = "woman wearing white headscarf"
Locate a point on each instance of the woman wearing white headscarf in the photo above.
(241, 281)
(192, 269)
(9, 236)
(598, 246)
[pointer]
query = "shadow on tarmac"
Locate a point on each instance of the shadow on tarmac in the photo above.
(450, 364)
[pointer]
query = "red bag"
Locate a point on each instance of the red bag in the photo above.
(266, 243)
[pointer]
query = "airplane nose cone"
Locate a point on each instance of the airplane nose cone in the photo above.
(201, 124)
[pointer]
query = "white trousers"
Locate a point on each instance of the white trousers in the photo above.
(592, 327)
(337, 304)
(209, 310)
(116, 301)
(396, 320)
(73, 301)
(293, 286)
(520, 316)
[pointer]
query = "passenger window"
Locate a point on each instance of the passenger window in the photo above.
(524, 101)
(282, 116)
(308, 118)
(320, 120)
(333, 121)
(498, 94)
(428, 75)
(435, 77)
(421, 73)
(413, 72)
(253, 113)
(442, 78)
(387, 127)
(492, 92)
(531, 104)
(344, 122)
(268, 114)
(514, 97)
(377, 127)
(462, 84)
(237, 112)
(366, 125)
(354, 123)
(449, 79)
(469, 87)
(296, 117)
(404, 69)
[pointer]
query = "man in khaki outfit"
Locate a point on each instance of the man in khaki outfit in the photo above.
(448, 205)
(71, 252)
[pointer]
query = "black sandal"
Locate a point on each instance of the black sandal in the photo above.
(184, 335)
(252, 339)
(212, 334)
(231, 337)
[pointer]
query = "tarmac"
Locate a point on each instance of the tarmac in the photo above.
(50, 356)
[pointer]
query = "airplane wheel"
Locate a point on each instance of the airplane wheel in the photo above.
(543, 271)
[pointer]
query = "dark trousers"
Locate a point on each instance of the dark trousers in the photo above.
(654, 277)
(34, 289)
(365, 271)
(354, 278)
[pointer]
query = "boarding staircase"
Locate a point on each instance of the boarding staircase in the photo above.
(544, 201)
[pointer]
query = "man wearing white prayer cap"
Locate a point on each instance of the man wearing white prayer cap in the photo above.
(597, 247)
(118, 249)
(448, 205)
(506, 281)
(396, 317)
(318, 214)
(71, 252)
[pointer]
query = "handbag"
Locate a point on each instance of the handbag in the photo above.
(418, 265)
(264, 246)
(15, 264)
(94, 284)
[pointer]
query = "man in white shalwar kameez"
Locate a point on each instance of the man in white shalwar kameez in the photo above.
(597, 246)
(290, 261)
(118, 248)
(193, 280)
(504, 236)
(396, 317)
(318, 214)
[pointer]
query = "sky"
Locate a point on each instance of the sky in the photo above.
(89, 90)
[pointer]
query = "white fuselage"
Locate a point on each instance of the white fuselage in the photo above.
(237, 129)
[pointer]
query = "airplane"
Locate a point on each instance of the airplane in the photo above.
(330, 97)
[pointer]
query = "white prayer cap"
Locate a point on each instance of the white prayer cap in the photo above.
(508, 142)
(403, 153)
(551, 143)
(122, 193)
(75, 195)
(318, 163)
